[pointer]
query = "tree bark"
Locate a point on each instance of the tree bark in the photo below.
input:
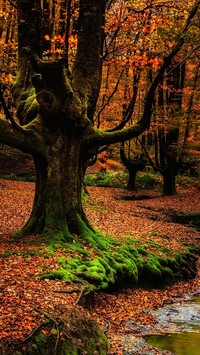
(55, 109)
(169, 181)
(132, 180)
(57, 208)
(137, 163)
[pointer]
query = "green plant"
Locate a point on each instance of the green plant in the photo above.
(108, 179)
(147, 180)
(13, 177)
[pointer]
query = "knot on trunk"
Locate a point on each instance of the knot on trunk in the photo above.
(47, 103)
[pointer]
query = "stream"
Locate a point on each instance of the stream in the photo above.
(180, 324)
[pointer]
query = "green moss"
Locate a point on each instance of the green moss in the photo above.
(13, 177)
(69, 264)
(151, 270)
(133, 251)
(167, 250)
(9, 253)
(110, 272)
(60, 274)
(40, 340)
(131, 241)
(163, 261)
(86, 233)
(24, 253)
(167, 273)
(115, 263)
(154, 245)
(142, 251)
(81, 250)
(160, 235)
(108, 179)
(50, 249)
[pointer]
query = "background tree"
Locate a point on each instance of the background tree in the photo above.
(167, 128)
(169, 148)
(133, 164)
(171, 124)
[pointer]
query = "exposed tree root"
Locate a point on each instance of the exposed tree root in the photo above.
(76, 334)
(101, 262)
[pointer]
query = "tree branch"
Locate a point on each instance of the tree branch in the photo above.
(29, 143)
(181, 62)
(88, 63)
(148, 156)
(130, 108)
(100, 137)
(97, 118)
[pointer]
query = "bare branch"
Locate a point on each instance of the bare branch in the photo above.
(110, 97)
(29, 143)
(130, 108)
(100, 137)
(182, 61)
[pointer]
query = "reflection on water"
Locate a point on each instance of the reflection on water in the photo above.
(197, 299)
(186, 343)
(187, 315)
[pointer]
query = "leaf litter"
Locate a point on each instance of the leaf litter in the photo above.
(22, 292)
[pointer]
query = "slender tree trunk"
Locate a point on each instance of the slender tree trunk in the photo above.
(132, 179)
(169, 181)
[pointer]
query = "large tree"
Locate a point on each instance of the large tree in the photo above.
(55, 110)
(55, 106)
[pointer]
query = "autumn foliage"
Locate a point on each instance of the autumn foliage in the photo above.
(78, 79)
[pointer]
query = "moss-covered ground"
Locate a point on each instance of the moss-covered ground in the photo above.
(111, 262)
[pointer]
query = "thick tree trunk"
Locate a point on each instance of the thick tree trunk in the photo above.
(57, 208)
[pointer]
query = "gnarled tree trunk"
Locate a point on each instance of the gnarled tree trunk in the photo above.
(133, 165)
(54, 123)
(57, 204)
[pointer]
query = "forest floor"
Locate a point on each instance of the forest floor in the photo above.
(114, 212)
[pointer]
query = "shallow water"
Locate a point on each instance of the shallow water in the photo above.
(187, 341)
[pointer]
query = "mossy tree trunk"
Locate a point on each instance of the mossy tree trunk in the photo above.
(57, 205)
(54, 122)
